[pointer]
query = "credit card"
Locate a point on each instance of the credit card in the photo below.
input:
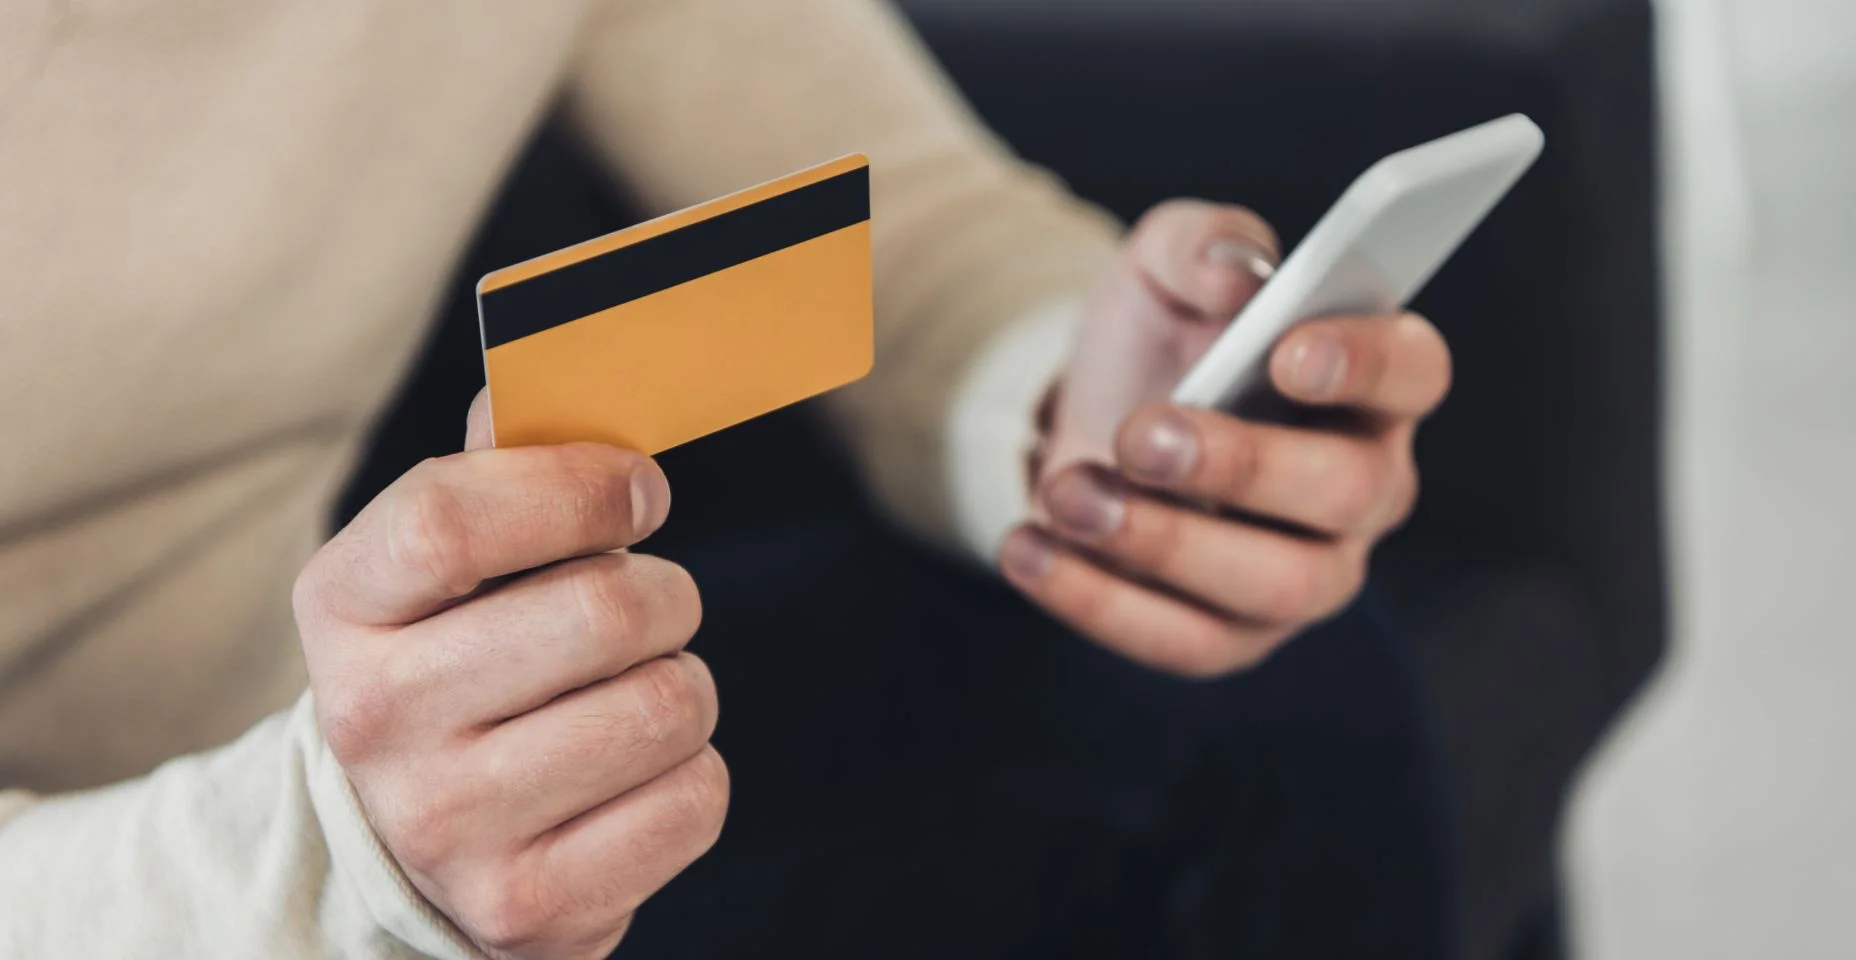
(681, 326)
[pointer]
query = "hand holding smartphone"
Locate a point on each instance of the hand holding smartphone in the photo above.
(1385, 238)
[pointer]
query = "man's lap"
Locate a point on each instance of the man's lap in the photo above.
(924, 764)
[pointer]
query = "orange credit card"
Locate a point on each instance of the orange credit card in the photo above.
(681, 326)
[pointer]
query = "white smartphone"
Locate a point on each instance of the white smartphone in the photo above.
(1379, 245)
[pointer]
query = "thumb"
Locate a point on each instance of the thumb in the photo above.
(478, 433)
(1187, 269)
(1120, 358)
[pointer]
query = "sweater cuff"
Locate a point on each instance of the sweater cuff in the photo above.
(361, 861)
(991, 423)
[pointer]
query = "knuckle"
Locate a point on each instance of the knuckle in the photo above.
(685, 597)
(419, 833)
(1423, 334)
(700, 802)
(609, 602)
(616, 896)
(314, 596)
(707, 700)
(666, 706)
(1288, 592)
(1446, 374)
(357, 717)
(1426, 350)
(674, 596)
(649, 718)
(309, 594)
(1356, 489)
(505, 910)
(429, 532)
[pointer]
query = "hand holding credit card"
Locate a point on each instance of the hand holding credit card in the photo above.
(681, 326)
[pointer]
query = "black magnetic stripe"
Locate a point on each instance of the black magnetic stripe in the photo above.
(648, 266)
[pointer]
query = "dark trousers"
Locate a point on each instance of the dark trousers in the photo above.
(926, 766)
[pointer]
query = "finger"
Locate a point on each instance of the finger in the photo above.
(479, 432)
(1142, 624)
(1205, 258)
(1395, 366)
(451, 523)
(546, 767)
(1240, 568)
(1333, 483)
(561, 628)
(601, 866)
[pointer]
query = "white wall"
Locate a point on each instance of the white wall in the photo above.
(1721, 821)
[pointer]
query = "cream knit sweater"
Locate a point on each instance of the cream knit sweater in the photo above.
(223, 228)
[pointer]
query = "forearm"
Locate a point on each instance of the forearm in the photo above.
(693, 99)
(253, 850)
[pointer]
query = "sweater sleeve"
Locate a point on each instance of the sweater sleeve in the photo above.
(691, 99)
(258, 849)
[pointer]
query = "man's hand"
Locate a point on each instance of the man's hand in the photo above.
(534, 751)
(1212, 540)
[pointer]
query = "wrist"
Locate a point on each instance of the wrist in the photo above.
(1000, 410)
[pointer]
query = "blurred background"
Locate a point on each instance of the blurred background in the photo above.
(1717, 822)
(1624, 579)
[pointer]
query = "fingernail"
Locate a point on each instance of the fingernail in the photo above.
(650, 499)
(1243, 255)
(1026, 555)
(1081, 506)
(1162, 449)
(1317, 367)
